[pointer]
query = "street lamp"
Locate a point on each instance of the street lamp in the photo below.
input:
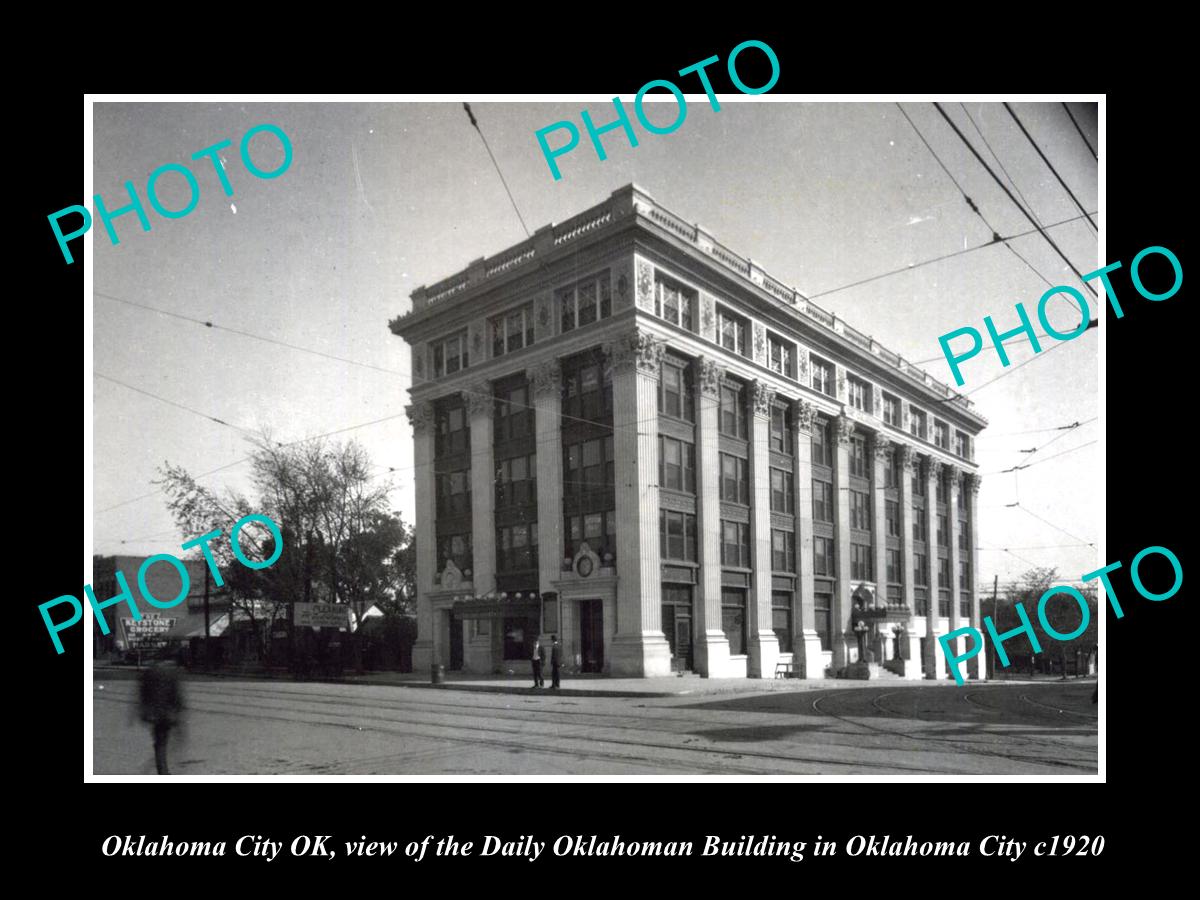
(860, 631)
(899, 631)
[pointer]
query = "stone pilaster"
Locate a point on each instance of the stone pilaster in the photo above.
(973, 483)
(480, 408)
(762, 645)
(844, 428)
(639, 647)
(931, 469)
(712, 647)
(806, 643)
(545, 383)
(420, 416)
(906, 463)
(954, 477)
(880, 447)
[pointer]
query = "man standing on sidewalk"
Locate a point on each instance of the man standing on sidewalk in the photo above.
(161, 706)
(538, 658)
(555, 660)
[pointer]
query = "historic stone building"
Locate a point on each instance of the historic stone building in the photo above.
(632, 437)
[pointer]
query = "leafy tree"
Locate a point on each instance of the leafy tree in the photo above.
(1062, 613)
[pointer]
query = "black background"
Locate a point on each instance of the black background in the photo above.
(1150, 404)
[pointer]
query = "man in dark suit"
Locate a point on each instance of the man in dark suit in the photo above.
(538, 657)
(555, 660)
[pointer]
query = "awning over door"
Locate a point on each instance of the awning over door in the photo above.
(497, 609)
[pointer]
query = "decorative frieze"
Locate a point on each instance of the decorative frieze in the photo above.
(420, 416)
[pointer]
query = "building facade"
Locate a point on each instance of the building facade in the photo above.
(632, 437)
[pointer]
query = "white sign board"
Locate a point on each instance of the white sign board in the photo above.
(321, 615)
(147, 633)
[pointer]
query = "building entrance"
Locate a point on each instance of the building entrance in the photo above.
(456, 642)
(677, 626)
(591, 636)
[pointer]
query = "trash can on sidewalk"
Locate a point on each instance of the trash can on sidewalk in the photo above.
(437, 673)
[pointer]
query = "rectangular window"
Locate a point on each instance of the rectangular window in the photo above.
(675, 395)
(920, 570)
(597, 528)
(822, 556)
(940, 488)
(891, 512)
(822, 501)
(513, 416)
(781, 430)
(891, 410)
(735, 479)
(920, 523)
(964, 574)
(449, 355)
(732, 418)
(585, 302)
(516, 481)
(674, 302)
(964, 608)
(860, 562)
(860, 393)
(782, 495)
(858, 456)
(893, 566)
(822, 444)
(453, 493)
(916, 424)
(783, 551)
(918, 482)
(733, 620)
(962, 496)
(891, 472)
(860, 510)
(943, 572)
(731, 331)
(735, 544)
(781, 619)
(941, 434)
(960, 445)
(453, 434)
(677, 465)
(823, 618)
(677, 535)
(512, 331)
(964, 535)
(587, 392)
(943, 532)
(822, 376)
(781, 356)
(517, 547)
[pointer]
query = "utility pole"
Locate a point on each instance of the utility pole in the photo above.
(991, 657)
(207, 655)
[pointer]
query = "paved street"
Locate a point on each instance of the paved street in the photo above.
(278, 727)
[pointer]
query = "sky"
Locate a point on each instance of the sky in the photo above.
(383, 197)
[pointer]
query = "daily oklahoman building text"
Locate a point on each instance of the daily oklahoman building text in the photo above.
(632, 437)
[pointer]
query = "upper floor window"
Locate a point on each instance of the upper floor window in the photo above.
(891, 410)
(916, 423)
(677, 464)
(860, 562)
(822, 501)
(453, 432)
(587, 392)
(735, 544)
(943, 533)
(781, 356)
(918, 484)
(822, 375)
(920, 569)
(677, 535)
(941, 435)
(732, 420)
(822, 444)
(453, 493)
(858, 456)
(674, 302)
(517, 547)
(822, 556)
(585, 302)
(513, 414)
(783, 551)
(940, 488)
(964, 535)
(920, 523)
(449, 355)
(893, 566)
(860, 511)
(735, 479)
(891, 472)
(675, 395)
(731, 331)
(516, 481)
(860, 393)
(512, 330)
(892, 515)
(589, 466)
(961, 445)
(781, 430)
(782, 495)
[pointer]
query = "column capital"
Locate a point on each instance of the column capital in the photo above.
(974, 482)
(956, 477)
(636, 349)
(708, 377)
(545, 376)
(883, 446)
(931, 468)
(908, 457)
(479, 399)
(845, 428)
(804, 414)
(420, 416)
(764, 396)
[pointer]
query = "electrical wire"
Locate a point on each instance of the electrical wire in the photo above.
(1049, 165)
(1086, 142)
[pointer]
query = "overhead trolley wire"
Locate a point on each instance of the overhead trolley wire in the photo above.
(1049, 165)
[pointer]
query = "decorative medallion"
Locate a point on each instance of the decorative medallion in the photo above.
(841, 384)
(645, 285)
(802, 366)
(420, 416)
(586, 561)
(708, 377)
(760, 342)
(707, 316)
(451, 576)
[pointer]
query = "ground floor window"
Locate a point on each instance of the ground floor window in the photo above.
(823, 617)
(781, 619)
(733, 620)
(677, 624)
(519, 635)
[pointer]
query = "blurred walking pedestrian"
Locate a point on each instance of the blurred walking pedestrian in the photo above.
(555, 660)
(162, 704)
(538, 657)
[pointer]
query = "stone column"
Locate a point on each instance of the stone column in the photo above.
(545, 383)
(932, 470)
(974, 483)
(841, 595)
(480, 408)
(762, 646)
(806, 644)
(881, 447)
(639, 647)
(712, 647)
(955, 480)
(908, 460)
(420, 416)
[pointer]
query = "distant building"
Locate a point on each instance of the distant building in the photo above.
(631, 436)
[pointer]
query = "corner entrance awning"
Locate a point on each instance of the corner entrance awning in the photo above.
(497, 609)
